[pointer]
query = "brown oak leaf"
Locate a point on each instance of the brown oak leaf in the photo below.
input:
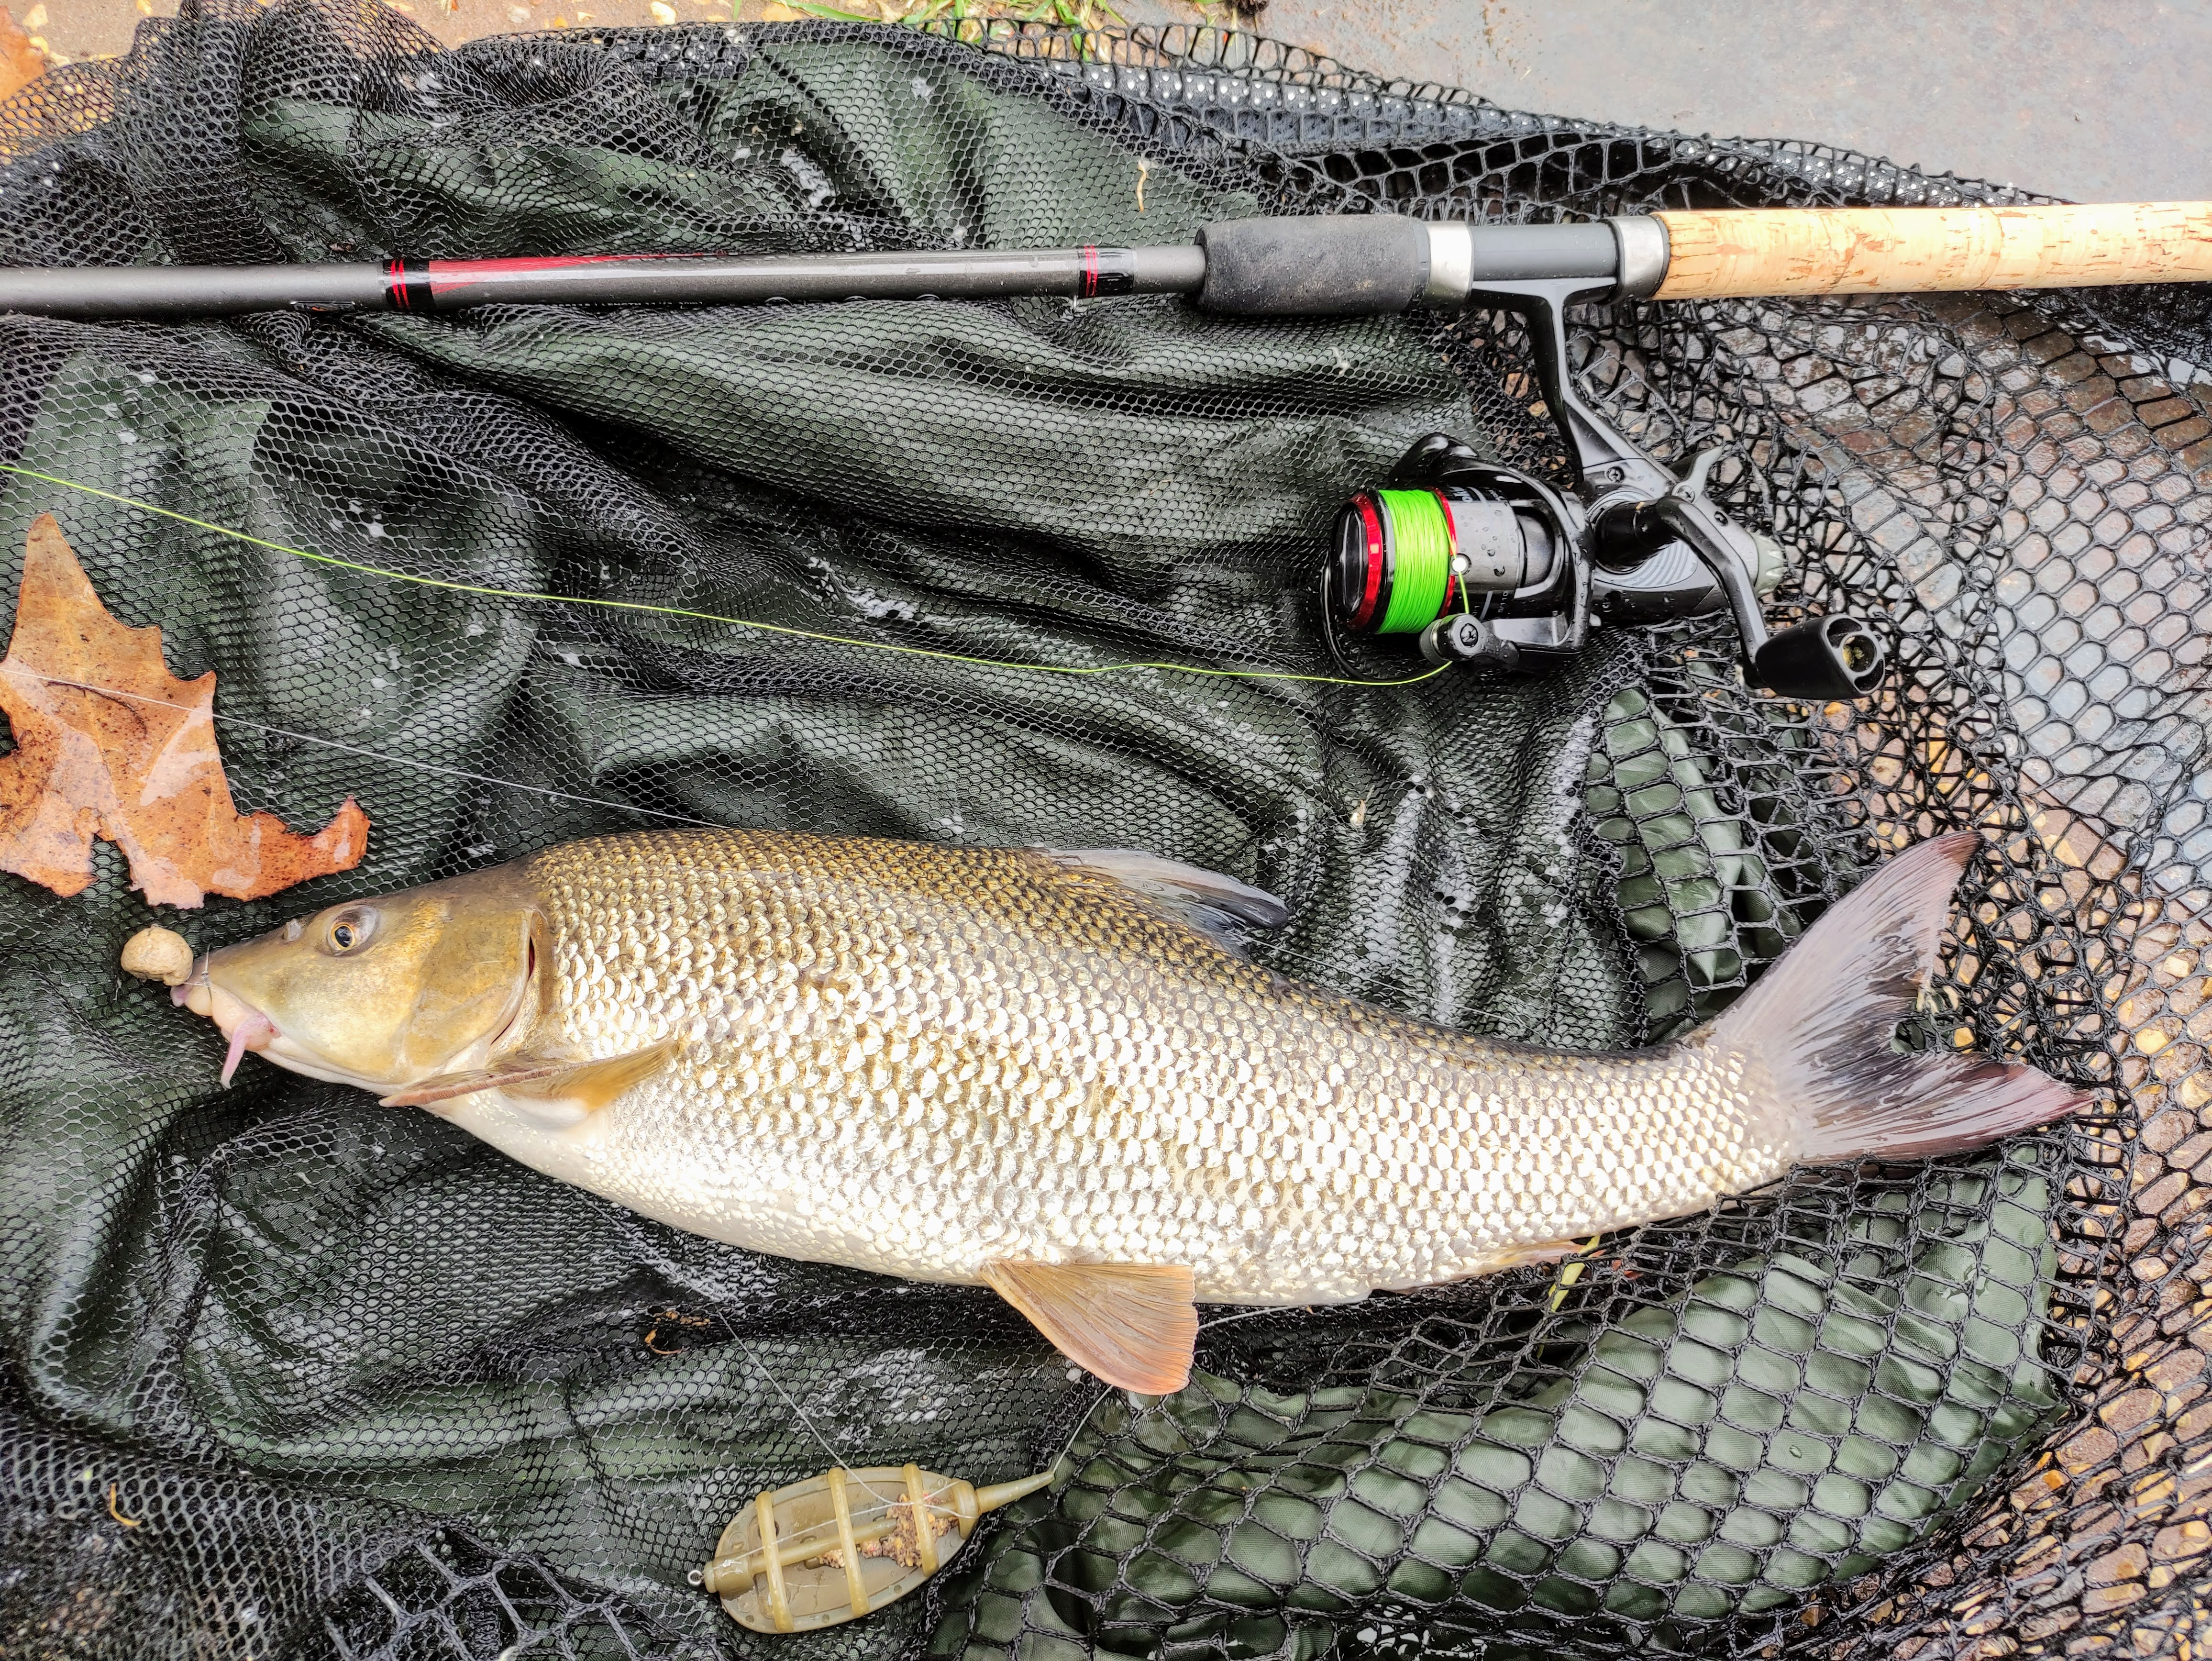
(21, 61)
(109, 744)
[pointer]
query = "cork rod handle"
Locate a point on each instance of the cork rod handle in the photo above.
(1786, 251)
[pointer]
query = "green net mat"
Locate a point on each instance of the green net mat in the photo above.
(283, 1373)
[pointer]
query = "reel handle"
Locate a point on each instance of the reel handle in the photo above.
(1836, 656)
(1460, 637)
(1823, 658)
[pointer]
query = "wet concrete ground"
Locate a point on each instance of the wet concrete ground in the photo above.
(2099, 102)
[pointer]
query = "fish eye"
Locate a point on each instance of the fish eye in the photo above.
(349, 930)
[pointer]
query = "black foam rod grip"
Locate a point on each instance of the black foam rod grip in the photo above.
(1338, 265)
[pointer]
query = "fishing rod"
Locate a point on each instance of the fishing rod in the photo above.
(1480, 563)
(1324, 266)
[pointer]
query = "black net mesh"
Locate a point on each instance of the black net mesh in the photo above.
(289, 1373)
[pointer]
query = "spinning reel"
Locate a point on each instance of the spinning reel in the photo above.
(1487, 565)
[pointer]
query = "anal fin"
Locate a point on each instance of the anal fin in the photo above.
(1130, 1323)
(589, 1085)
(1530, 1252)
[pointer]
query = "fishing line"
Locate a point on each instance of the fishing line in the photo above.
(488, 590)
(381, 755)
(797, 1412)
(1420, 542)
(1425, 574)
(1068, 1446)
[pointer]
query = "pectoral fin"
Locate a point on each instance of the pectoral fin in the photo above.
(1130, 1323)
(590, 1085)
(513, 1071)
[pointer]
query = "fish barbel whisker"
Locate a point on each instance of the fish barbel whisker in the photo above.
(252, 1031)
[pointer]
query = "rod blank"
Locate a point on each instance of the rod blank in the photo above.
(1353, 265)
(443, 285)
(90, 291)
(981, 274)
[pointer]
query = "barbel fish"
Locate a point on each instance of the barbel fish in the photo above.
(1057, 1075)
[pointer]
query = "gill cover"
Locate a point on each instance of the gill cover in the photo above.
(389, 991)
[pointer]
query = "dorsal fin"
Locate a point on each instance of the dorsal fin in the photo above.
(1218, 907)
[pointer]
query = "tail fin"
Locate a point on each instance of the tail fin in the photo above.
(1821, 1024)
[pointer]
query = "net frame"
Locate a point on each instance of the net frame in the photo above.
(2114, 856)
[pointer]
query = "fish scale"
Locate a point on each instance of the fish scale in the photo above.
(916, 1060)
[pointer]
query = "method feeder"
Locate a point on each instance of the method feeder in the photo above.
(1482, 564)
(834, 1547)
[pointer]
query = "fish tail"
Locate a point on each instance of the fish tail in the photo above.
(1822, 1024)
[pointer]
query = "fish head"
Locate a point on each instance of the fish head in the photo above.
(382, 993)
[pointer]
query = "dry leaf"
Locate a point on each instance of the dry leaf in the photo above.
(20, 63)
(108, 743)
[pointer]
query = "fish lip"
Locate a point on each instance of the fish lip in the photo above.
(230, 1013)
(181, 993)
(227, 1010)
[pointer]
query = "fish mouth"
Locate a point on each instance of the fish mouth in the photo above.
(247, 1028)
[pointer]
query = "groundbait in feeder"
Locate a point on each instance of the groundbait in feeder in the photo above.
(845, 1543)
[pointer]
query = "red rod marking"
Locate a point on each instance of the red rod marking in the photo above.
(447, 274)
